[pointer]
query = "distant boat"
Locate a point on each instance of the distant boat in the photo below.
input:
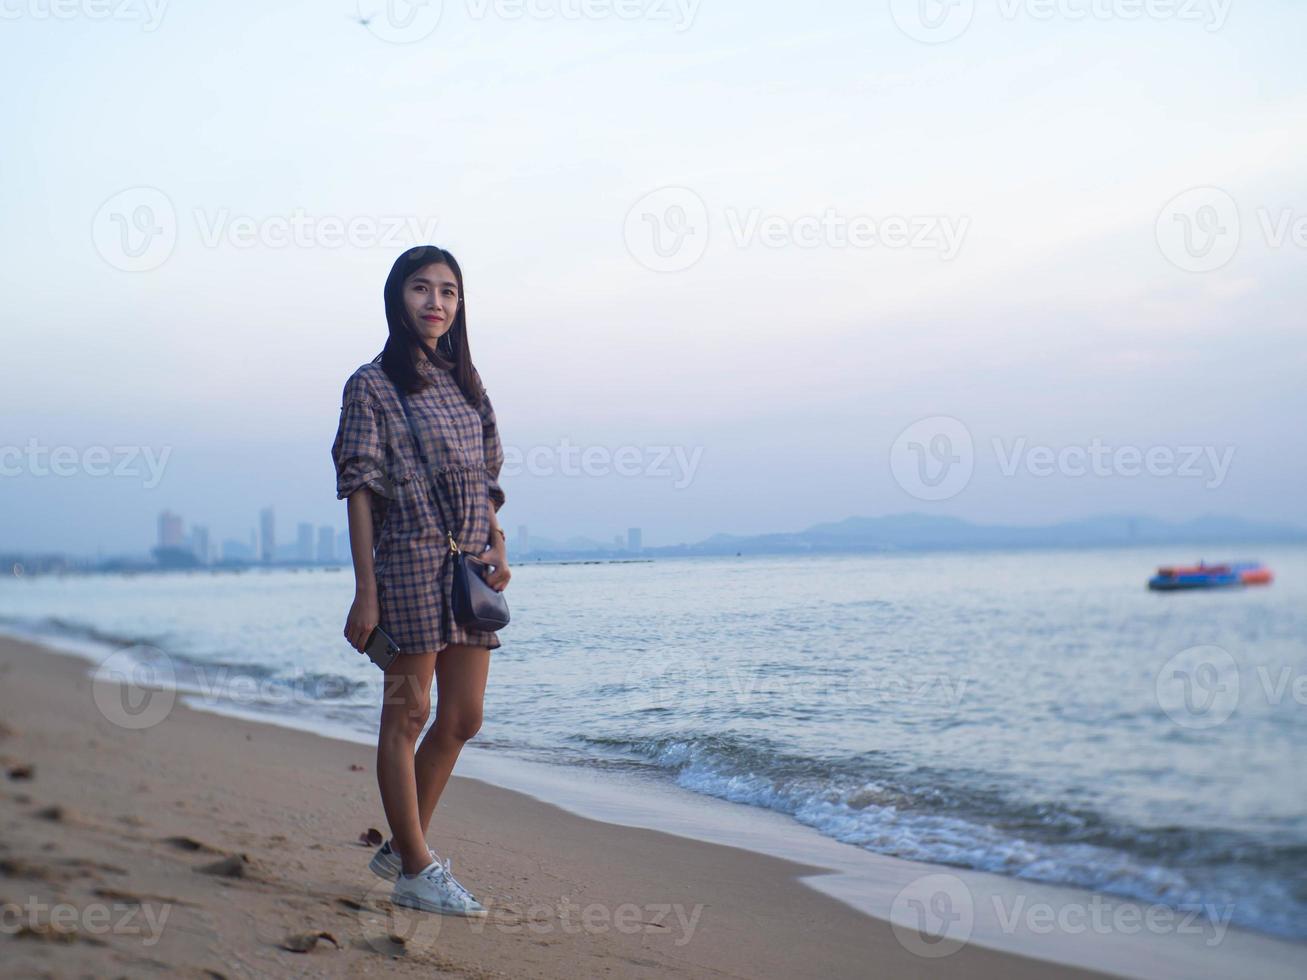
(1205, 576)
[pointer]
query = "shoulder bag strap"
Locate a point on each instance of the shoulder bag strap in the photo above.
(417, 446)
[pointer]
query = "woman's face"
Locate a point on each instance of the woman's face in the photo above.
(431, 299)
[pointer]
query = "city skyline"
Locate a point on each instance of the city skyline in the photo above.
(321, 543)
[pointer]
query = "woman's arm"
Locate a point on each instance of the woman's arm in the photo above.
(365, 613)
(497, 554)
(493, 448)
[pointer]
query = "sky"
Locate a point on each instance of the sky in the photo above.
(730, 266)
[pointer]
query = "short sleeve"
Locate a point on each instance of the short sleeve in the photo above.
(358, 450)
(494, 451)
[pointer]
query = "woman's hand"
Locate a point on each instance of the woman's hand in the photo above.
(364, 615)
(497, 555)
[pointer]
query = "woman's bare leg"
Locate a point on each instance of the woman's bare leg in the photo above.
(460, 691)
(405, 707)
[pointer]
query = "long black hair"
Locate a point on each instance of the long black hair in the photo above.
(450, 354)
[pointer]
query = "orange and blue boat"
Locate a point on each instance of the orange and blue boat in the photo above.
(1171, 578)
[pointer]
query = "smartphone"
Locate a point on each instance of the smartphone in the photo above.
(381, 648)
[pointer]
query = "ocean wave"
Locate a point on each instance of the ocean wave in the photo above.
(957, 819)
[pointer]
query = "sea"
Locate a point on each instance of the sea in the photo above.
(1035, 714)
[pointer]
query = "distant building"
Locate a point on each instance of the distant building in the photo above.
(304, 542)
(342, 545)
(170, 530)
(200, 543)
(268, 542)
(326, 543)
(523, 542)
(233, 550)
(633, 543)
(618, 543)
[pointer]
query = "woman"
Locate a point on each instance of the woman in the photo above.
(402, 569)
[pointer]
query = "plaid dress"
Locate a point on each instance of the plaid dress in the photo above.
(374, 449)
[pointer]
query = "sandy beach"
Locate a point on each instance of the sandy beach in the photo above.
(209, 846)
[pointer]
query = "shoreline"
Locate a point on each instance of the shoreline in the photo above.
(773, 897)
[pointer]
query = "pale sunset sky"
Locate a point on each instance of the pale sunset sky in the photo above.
(734, 251)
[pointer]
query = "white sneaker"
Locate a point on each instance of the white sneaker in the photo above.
(459, 885)
(435, 889)
(386, 863)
